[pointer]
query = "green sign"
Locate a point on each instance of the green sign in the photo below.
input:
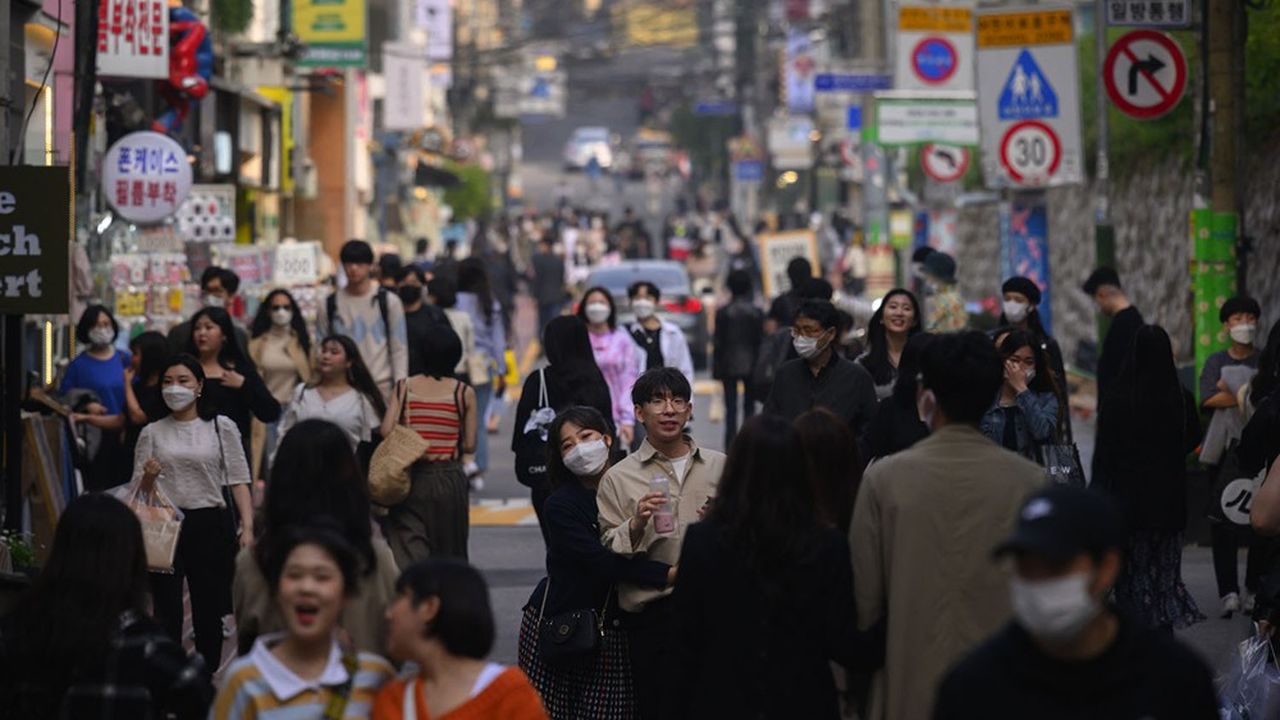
(1213, 279)
(333, 32)
(35, 239)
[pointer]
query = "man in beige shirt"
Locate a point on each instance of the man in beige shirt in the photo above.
(925, 524)
(663, 404)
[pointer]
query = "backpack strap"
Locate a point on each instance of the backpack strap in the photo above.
(331, 309)
(381, 298)
(459, 401)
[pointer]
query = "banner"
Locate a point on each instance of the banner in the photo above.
(333, 32)
(35, 237)
(133, 38)
(436, 17)
(1024, 247)
(404, 68)
(800, 72)
(652, 24)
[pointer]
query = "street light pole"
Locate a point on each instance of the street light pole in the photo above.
(1104, 239)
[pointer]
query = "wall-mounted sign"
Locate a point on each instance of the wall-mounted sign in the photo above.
(35, 239)
(333, 31)
(133, 38)
(146, 176)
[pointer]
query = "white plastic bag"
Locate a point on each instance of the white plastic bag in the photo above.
(1251, 691)
(161, 523)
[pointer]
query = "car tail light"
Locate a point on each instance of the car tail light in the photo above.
(689, 305)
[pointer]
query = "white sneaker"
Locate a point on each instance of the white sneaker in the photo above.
(470, 468)
(477, 483)
(1250, 600)
(1230, 604)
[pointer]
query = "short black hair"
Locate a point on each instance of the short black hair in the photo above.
(407, 270)
(390, 264)
(1102, 276)
(820, 310)
(646, 286)
(1239, 304)
(798, 269)
(964, 372)
(420, 247)
(815, 289)
(584, 416)
(464, 623)
(323, 532)
(444, 290)
(656, 383)
(739, 282)
(89, 318)
(442, 350)
(356, 251)
(228, 279)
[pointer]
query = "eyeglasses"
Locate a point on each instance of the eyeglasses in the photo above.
(807, 332)
(659, 404)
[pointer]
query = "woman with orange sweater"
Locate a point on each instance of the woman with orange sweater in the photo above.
(443, 623)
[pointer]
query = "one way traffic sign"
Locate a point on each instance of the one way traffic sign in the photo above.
(1145, 74)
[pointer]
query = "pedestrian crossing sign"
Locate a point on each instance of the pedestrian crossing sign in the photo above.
(1027, 93)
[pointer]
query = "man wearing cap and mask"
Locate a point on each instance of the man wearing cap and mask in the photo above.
(1067, 654)
(1021, 310)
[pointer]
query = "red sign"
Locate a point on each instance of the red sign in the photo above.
(1030, 151)
(1145, 74)
(944, 163)
(133, 38)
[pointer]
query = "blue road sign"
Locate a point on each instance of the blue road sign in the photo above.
(852, 82)
(853, 121)
(1027, 94)
(934, 60)
(541, 88)
(748, 171)
(716, 108)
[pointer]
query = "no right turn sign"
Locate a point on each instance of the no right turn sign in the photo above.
(1145, 74)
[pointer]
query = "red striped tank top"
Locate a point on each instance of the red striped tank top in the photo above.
(439, 421)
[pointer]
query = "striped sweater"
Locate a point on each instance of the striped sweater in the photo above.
(260, 686)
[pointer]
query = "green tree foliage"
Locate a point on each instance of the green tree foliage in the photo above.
(1262, 74)
(470, 199)
(231, 16)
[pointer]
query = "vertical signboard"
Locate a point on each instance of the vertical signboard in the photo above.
(35, 239)
(436, 17)
(1028, 98)
(404, 66)
(935, 48)
(332, 30)
(1024, 246)
(800, 72)
(133, 38)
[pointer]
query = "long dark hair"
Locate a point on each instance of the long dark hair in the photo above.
(203, 411)
(473, 278)
(613, 311)
(262, 321)
(316, 473)
(571, 364)
(358, 375)
(835, 468)
(1148, 386)
(582, 416)
(153, 348)
(63, 625)
(1046, 380)
(231, 356)
(766, 500)
(904, 388)
(876, 361)
(1268, 377)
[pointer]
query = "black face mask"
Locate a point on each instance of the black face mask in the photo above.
(409, 294)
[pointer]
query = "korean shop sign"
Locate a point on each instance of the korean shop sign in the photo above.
(35, 239)
(146, 176)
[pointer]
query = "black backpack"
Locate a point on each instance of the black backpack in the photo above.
(331, 309)
(531, 449)
(773, 352)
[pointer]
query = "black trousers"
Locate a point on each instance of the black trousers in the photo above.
(651, 635)
(1227, 540)
(538, 495)
(206, 560)
(731, 406)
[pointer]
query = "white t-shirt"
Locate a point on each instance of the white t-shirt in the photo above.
(192, 460)
(350, 411)
(678, 465)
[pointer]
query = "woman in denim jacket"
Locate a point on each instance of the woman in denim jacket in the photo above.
(1025, 414)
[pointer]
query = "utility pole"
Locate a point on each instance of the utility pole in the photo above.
(1224, 41)
(1104, 237)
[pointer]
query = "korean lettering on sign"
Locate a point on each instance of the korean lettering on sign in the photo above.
(146, 176)
(1149, 13)
(35, 239)
(133, 38)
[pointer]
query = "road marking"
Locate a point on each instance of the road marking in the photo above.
(511, 512)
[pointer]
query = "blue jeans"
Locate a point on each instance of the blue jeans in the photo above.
(484, 393)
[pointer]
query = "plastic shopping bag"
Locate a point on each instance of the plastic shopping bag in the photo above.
(1251, 691)
(161, 523)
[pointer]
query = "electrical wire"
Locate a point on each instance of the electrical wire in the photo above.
(20, 146)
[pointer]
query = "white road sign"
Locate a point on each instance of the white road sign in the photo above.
(1028, 97)
(911, 121)
(934, 48)
(1149, 13)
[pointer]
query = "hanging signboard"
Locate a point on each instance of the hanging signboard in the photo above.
(1149, 13)
(133, 38)
(146, 177)
(436, 17)
(934, 48)
(332, 30)
(404, 67)
(1028, 98)
(912, 119)
(1145, 74)
(777, 250)
(35, 239)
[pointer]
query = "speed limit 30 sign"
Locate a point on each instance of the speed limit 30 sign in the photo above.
(1030, 152)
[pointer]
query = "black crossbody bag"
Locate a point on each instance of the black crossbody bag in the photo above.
(570, 639)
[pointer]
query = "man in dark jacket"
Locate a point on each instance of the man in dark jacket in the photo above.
(1067, 654)
(739, 331)
(821, 377)
(1103, 286)
(548, 282)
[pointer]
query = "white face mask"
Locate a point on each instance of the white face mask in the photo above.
(587, 459)
(597, 312)
(178, 397)
(101, 336)
(282, 316)
(1015, 311)
(1244, 334)
(807, 347)
(925, 406)
(643, 309)
(1056, 610)
(215, 301)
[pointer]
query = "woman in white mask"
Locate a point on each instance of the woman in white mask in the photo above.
(1020, 311)
(615, 354)
(581, 579)
(281, 348)
(99, 373)
(197, 460)
(1025, 413)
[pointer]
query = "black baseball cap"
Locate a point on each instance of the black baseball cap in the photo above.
(1061, 522)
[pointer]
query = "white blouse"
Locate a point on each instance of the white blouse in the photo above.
(194, 464)
(350, 411)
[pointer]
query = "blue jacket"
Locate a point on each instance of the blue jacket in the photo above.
(1035, 420)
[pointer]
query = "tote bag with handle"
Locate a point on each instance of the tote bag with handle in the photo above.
(389, 466)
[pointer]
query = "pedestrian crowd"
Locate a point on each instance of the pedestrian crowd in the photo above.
(902, 530)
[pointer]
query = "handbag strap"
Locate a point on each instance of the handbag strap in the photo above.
(542, 388)
(459, 402)
(402, 389)
(336, 708)
(543, 609)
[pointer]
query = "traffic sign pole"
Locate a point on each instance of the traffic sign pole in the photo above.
(1104, 237)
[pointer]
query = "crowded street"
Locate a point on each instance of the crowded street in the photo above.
(640, 360)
